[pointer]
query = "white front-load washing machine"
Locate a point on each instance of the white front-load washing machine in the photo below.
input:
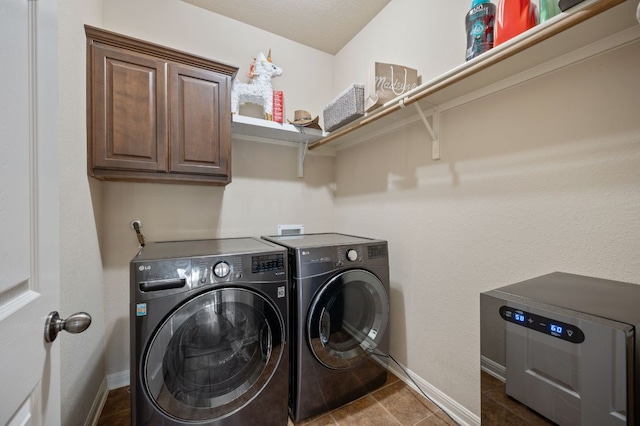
(339, 319)
(209, 333)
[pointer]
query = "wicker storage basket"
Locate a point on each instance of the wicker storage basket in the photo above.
(348, 106)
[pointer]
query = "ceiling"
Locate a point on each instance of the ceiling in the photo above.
(325, 25)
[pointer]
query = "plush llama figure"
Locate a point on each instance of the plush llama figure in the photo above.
(258, 90)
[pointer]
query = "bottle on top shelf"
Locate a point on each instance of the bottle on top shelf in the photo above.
(514, 17)
(548, 9)
(479, 25)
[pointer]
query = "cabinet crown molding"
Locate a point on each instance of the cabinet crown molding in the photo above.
(99, 35)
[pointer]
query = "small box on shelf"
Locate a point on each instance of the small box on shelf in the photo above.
(278, 106)
(345, 108)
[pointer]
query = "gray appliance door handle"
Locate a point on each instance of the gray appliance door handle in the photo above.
(325, 327)
(265, 342)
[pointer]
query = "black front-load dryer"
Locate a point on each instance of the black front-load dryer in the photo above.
(209, 333)
(339, 319)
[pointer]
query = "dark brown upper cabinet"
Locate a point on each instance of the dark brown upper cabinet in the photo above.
(156, 114)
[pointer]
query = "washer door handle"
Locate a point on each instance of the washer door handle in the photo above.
(266, 343)
(325, 327)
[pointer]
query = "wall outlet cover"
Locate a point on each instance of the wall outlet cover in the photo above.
(290, 229)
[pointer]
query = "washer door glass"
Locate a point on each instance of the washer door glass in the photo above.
(214, 354)
(348, 319)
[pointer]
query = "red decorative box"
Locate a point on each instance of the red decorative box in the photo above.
(278, 106)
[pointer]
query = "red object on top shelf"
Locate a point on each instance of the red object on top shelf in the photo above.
(512, 18)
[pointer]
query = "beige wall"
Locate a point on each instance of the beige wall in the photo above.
(426, 35)
(539, 178)
(82, 360)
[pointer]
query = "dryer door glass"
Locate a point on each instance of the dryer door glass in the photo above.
(213, 354)
(348, 319)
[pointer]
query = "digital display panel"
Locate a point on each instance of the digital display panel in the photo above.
(267, 262)
(542, 324)
(378, 250)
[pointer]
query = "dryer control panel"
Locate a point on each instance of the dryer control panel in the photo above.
(359, 253)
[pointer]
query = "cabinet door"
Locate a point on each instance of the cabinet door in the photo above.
(200, 132)
(129, 110)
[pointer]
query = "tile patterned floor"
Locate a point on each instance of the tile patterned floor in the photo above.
(395, 403)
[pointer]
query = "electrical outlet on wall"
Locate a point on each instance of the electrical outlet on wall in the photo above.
(290, 229)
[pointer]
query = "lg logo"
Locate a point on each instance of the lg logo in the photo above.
(144, 268)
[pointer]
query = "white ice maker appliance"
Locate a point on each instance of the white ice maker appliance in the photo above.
(566, 347)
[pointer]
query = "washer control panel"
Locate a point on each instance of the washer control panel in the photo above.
(267, 263)
(352, 255)
(542, 324)
(233, 268)
(221, 269)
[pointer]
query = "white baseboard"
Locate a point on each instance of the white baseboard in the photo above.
(491, 367)
(98, 404)
(112, 381)
(118, 380)
(458, 412)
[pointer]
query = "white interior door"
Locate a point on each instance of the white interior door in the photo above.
(29, 247)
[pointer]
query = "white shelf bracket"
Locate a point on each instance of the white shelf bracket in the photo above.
(302, 147)
(302, 152)
(433, 130)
